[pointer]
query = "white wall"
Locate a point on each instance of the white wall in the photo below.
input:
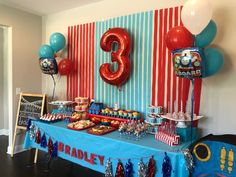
(26, 39)
(219, 91)
(1, 78)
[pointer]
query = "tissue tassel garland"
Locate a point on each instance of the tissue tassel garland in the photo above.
(50, 146)
(151, 167)
(55, 149)
(38, 137)
(28, 125)
(166, 166)
(32, 131)
(43, 142)
(128, 169)
(108, 171)
(120, 170)
(189, 159)
(142, 169)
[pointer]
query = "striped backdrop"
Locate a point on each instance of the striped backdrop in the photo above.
(152, 80)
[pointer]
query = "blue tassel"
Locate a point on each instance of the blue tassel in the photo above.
(166, 166)
(43, 142)
(28, 125)
(128, 169)
(54, 149)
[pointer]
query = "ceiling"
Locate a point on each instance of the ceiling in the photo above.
(45, 7)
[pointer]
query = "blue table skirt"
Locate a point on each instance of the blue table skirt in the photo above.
(85, 149)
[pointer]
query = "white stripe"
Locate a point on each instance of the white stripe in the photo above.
(101, 62)
(166, 103)
(78, 48)
(151, 58)
(143, 45)
(134, 90)
(131, 61)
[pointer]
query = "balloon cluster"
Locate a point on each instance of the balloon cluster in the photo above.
(47, 54)
(188, 43)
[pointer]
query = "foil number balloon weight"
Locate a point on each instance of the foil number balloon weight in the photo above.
(120, 56)
(188, 62)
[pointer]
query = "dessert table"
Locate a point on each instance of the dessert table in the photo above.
(92, 151)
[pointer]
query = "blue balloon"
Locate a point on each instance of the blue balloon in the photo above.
(45, 51)
(213, 62)
(57, 41)
(207, 35)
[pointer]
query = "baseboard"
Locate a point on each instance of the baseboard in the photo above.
(18, 149)
(4, 132)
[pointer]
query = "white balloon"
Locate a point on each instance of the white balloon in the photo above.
(196, 14)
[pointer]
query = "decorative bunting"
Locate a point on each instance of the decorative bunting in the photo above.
(108, 172)
(151, 167)
(38, 137)
(166, 166)
(128, 169)
(120, 170)
(43, 142)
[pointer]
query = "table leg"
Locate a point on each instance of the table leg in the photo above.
(36, 156)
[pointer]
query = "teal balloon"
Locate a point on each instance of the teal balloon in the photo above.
(213, 62)
(45, 51)
(57, 41)
(207, 35)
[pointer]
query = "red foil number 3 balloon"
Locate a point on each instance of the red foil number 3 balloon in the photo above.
(120, 56)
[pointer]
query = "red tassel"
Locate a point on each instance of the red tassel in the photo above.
(151, 167)
(120, 170)
(38, 137)
(50, 146)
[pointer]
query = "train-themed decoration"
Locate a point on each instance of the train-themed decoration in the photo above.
(214, 155)
(188, 62)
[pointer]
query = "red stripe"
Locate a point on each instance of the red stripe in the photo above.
(93, 40)
(81, 55)
(76, 63)
(72, 55)
(90, 59)
(169, 58)
(87, 62)
(68, 56)
(77, 58)
(197, 94)
(185, 93)
(160, 96)
(154, 58)
(174, 75)
(164, 90)
(82, 62)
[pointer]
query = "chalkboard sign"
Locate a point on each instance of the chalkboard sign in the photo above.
(30, 106)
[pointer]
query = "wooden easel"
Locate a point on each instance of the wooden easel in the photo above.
(28, 105)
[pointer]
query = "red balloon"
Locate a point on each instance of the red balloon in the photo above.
(179, 37)
(65, 66)
(120, 56)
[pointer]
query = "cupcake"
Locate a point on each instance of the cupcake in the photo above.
(130, 114)
(107, 111)
(135, 115)
(103, 112)
(125, 114)
(115, 113)
(111, 112)
(120, 112)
